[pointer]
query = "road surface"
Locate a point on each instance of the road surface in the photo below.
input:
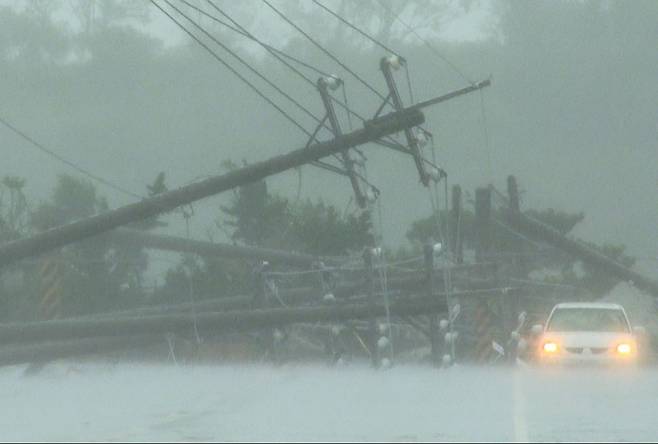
(155, 402)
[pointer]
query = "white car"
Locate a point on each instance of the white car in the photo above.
(587, 333)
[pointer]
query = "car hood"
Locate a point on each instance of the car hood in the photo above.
(588, 339)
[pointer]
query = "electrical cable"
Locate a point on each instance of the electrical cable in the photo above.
(243, 31)
(355, 28)
(324, 50)
(230, 68)
(65, 161)
(245, 63)
(236, 27)
(426, 43)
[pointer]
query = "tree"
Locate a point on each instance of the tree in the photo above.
(13, 208)
(505, 241)
(319, 228)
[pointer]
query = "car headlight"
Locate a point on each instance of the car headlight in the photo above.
(624, 348)
(550, 347)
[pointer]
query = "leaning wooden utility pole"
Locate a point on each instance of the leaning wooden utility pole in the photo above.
(456, 238)
(537, 230)
(483, 229)
(95, 225)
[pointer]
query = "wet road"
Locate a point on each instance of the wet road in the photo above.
(294, 403)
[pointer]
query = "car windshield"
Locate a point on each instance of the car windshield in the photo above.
(588, 319)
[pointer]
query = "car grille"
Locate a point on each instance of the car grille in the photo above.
(580, 350)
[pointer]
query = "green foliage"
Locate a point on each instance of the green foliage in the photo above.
(72, 199)
(255, 216)
(13, 208)
(321, 229)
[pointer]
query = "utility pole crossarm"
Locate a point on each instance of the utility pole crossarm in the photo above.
(167, 201)
(460, 92)
(324, 85)
(387, 65)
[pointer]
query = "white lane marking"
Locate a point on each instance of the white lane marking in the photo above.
(519, 409)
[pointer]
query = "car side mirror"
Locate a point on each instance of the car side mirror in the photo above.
(537, 329)
(639, 330)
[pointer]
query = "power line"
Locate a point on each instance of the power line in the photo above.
(216, 56)
(324, 50)
(245, 63)
(355, 28)
(65, 161)
(255, 71)
(329, 54)
(242, 31)
(238, 28)
(229, 67)
(274, 51)
(425, 42)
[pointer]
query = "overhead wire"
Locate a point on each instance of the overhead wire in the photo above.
(236, 27)
(324, 50)
(242, 31)
(456, 69)
(67, 162)
(246, 64)
(409, 28)
(360, 31)
(234, 71)
(228, 66)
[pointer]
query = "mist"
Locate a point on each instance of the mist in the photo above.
(297, 306)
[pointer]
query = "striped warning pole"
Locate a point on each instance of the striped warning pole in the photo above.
(484, 331)
(50, 279)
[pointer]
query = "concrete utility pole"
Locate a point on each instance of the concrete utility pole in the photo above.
(167, 201)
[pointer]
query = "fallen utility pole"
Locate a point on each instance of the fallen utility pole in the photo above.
(232, 321)
(48, 351)
(167, 201)
(537, 230)
(213, 249)
(409, 283)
